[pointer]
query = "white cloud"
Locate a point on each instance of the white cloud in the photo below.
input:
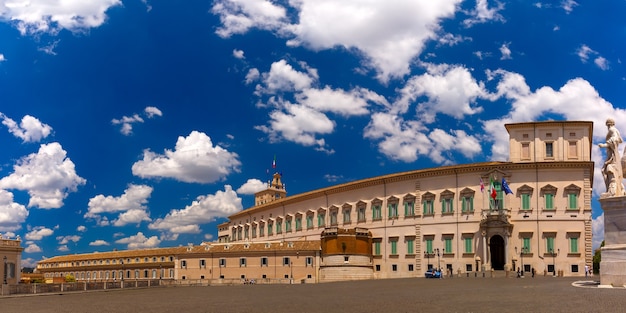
(238, 54)
(127, 122)
(208, 237)
(32, 248)
(282, 77)
(194, 160)
(482, 13)
(81, 228)
(140, 241)
(597, 226)
(29, 262)
(602, 63)
(238, 16)
(505, 51)
(66, 239)
(568, 5)
(98, 242)
(12, 214)
(38, 233)
(346, 103)
(47, 175)
(44, 16)
(131, 204)
(2, 58)
(63, 248)
(251, 187)
(203, 210)
(450, 90)
(152, 112)
(29, 130)
(388, 36)
(252, 76)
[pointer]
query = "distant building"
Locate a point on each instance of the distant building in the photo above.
(532, 212)
(11, 258)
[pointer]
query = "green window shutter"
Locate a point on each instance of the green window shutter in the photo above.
(424, 205)
(525, 202)
(377, 248)
(410, 245)
(526, 245)
(394, 247)
(443, 206)
(573, 245)
(471, 203)
(550, 244)
(448, 244)
(451, 202)
(468, 245)
(429, 246)
(573, 203)
(549, 201)
(464, 204)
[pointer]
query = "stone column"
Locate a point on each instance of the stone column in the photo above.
(484, 233)
(613, 264)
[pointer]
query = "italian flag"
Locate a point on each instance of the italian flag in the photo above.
(492, 189)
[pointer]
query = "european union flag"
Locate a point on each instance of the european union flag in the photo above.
(505, 187)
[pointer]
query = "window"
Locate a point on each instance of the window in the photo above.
(298, 222)
(394, 267)
(429, 245)
(411, 267)
(428, 207)
(286, 261)
(574, 268)
(573, 244)
(202, 263)
(183, 264)
(376, 212)
(428, 200)
(447, 245)
(549, 199)
(525, 202)
(346, 216)
(378, 267)
(262, 230)
(309, 261)
(410, 245)
(222, 262)
(264, 261)
(254, 227)
(468, 244)
(321, 219)
(525, 151)
(333, 217)
(270, 228)
(392, 209)
(377, 247)
(498, 202)
(550, 244)
(242, 262)
(549, 150)
(467, 204)
(288, 225)
(309, 221)
(409, 207)
(394, 246)
(361, 214)
(154, 272)
(446, 206)
(526, 245)
(572, 201)
(548, 192)
(279, 226)
(136, 273)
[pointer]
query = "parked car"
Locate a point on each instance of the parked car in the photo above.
(432, 273)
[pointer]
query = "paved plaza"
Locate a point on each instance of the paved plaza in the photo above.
(539, 294)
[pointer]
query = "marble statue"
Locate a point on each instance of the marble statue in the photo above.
(612, 169)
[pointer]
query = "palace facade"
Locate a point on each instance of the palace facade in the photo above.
(530, 213)
(11, 258)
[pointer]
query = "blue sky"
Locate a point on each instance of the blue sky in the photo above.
(141, 123)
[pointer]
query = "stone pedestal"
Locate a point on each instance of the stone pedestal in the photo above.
(613, 264)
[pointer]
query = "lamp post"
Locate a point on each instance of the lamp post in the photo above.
(553, 260)
(123, 273)
(5, 269)
(427, 254)
(291, 270)
(438, 260)
(521, 254)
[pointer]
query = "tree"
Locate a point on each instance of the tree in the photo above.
(70, 279)
(597, 257)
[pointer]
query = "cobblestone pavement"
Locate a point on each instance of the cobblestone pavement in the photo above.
(540, 294)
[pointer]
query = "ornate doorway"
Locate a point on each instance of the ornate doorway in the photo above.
(496, 247)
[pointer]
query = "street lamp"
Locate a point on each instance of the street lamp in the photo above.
(291, 269)
(553, 260)
(5, 269)
(427, 254)
(521, 254)
(438, 260)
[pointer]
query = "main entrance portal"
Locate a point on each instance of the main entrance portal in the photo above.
(496, 246)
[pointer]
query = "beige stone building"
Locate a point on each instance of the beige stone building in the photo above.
(11, 259)
(532, 212)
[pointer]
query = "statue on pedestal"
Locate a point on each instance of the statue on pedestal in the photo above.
(612, 169)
